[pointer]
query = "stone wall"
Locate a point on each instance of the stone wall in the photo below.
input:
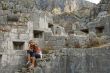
(66, 60)
(99, 22)
(88, 61)
(41, 19)
(56, 42)
(91, 60)
(12, 60)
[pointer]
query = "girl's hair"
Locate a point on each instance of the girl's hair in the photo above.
(31, 41)
(35, 45)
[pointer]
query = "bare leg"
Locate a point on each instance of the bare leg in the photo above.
(33, 63)
(29, 58)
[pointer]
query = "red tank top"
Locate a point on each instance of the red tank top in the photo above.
(38, 50)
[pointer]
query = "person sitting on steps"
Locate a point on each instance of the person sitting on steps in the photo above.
(33, 53)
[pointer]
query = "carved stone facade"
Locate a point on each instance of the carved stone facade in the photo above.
(20, 22)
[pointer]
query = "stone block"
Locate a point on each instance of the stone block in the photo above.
(1, 12)
(38, 70)
(102, 14)
(1, 36)
(22, 27)
(40, 42)
(24, 36)
(7, 12)
(3, 20)
(47, 35)
(14, 30)
(53, 38)
(57, 47)
(60, 43)
(14, 36)
(52, 43)
(6, 35)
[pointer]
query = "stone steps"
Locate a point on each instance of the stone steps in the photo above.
(40, 62)
(25, 70)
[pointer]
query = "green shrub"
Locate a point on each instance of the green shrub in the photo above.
(4, 6)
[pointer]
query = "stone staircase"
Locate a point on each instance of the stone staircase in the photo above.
(27, 70)
(37, 69)
(41, 63)
(24, 70)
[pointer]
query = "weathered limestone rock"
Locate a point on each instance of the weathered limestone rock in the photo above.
(23, 22)
(102, 14)
(38, 70)
(86, 41)
(76, 61)
(104, 39)
(11, 61)
(47, 35)
(56, 42)
(77, 41)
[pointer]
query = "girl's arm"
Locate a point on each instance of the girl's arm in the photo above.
(28, 47)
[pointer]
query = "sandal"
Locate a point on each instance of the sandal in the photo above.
(28, 63)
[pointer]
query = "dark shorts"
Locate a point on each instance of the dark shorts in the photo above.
(33, 54)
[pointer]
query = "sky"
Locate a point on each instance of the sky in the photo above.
(94, 1)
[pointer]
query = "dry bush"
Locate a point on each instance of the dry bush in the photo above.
(47, 48)
(77, 45)
(104, 39)
(93, 40)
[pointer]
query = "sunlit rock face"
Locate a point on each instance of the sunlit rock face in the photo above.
(75, 5)
(72, 5)
(60, 6)
(54, 6)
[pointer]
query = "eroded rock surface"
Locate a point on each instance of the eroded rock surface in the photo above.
(76, 61)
